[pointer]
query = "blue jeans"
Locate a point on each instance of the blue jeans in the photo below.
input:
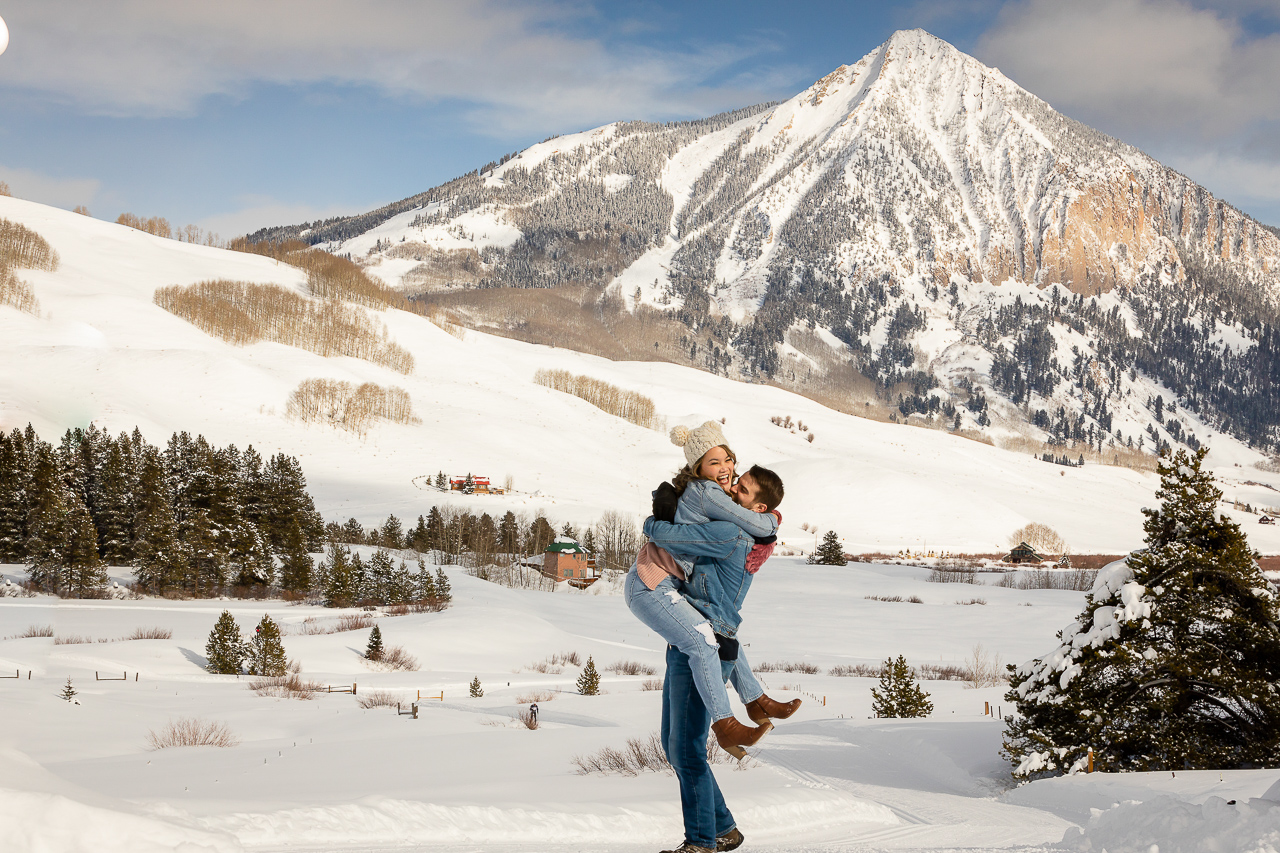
(685, 726)
(681, 625)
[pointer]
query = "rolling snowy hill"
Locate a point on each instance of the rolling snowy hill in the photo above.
(101, 351)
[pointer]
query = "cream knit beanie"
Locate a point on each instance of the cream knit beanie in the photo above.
(696, 442)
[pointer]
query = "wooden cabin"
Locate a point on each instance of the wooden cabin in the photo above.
(1024, 553)
(470, 485)
(566, 560)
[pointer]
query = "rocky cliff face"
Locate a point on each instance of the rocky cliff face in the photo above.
(931, 224)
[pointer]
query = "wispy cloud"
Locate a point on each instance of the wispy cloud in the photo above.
(47, 189)
(523, 64)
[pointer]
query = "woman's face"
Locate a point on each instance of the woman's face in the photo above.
(716, 464)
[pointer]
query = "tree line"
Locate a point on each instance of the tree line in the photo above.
(191, 519)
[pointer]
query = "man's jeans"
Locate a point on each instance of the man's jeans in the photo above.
(685, 726)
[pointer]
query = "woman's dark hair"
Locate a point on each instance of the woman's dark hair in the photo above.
(689, 473)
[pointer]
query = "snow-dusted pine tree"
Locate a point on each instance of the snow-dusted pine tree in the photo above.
(589, 680)
(373, 651)
(830, 552)
(225, 649)
(266, 652)
(898, 694)
(1174, 663)
(68, 692)
(476, 690)
(443, 592)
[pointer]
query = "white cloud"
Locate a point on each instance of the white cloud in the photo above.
(517, 61)
(1251, 184)
(1139, 65)
(263, 211)
(46, 189)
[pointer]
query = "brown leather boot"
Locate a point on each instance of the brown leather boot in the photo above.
(733, 735)
(763, 708)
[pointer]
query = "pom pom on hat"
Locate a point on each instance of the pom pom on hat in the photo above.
(696, 442)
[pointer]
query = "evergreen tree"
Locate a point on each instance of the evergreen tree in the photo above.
(15, 484)
(435, 529)
(341, 582)
(444, 593)
(68, 692)
(353, 532)
(589, 541)
(392, 533)
(160, 559)
(379, 578)
(373, 651)
(225, 649)
(476, 690)
(401, 588)
(266, 652)
(509, 534)
(47, 522)
(83, 574)
(297, 568)
(115, 501)
(426, 587)
(442, 482)
(589, 680)
(898, 694)
(829, 553)
(419, 539)
(1174, 662)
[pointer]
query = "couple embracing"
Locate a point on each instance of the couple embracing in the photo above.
(709, 534)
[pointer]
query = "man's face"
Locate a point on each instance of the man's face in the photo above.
(745, 492)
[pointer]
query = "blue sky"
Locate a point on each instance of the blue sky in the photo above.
(244, 113)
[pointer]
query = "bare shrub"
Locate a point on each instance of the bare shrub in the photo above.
(913, 599)
(242, 313)
(351, 622)
(4, 189)
(855, 670)
(528, 718)
(33, 631)
(536, 696)
(71, 640)
(347, 406)
(80, 209)
(288, 686)
(150, 634)
(1039, 536)
(973, 601)
(1271, 465)
(378, 699)
(640, 755)
(545, 668)
(572, 658)
(630, 667)
(788, 666)
(628, 405)
(1071, 580)
(310, 626)
(22, 247)
(189, 731)
(651, 684)
(953, 575)
(984, 668)
(395, 658)
(942, 672)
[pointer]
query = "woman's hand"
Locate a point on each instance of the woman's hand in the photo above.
(664, 502)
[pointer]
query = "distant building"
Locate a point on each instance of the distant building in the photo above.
(565, 560)
(1266, 519)
(1024, 553)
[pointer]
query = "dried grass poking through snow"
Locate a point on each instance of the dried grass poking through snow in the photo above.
(651, 684)
(640, 755)
(630, 667)
(788, 666)
(189, 731)
(291, 686)
(33, 631)
(378, 699)
(396, 659)
(536, 696)
(150, 634)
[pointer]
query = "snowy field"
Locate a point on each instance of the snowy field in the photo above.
(324, 774)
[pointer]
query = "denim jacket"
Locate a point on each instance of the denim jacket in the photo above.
(720, 581)
(704, 501)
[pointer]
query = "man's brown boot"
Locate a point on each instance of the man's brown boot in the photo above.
(763, 708)
(733, 735)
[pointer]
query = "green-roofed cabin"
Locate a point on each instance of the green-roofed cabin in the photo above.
(566, 560)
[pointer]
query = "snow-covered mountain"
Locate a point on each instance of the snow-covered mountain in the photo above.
(916, 216)
(98, 349)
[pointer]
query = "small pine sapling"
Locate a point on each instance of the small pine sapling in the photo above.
(225, 649)
(68, 692)
(476, 690)
(898, 694)
(589, 680)
(373, 651)
(266, 652)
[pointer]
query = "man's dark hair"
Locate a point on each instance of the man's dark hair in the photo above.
(769, 486)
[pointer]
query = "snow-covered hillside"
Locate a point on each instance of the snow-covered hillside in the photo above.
(100, 351)
(887, 218)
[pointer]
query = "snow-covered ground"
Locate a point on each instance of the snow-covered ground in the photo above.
(327, 775)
